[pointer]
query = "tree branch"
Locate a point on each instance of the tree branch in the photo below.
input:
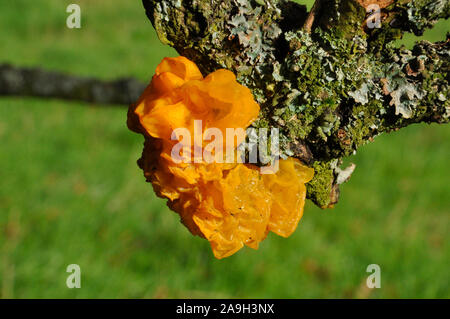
(329, 90)
(397, 17)
(16, 81)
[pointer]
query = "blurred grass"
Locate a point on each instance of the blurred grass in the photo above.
(71, 192)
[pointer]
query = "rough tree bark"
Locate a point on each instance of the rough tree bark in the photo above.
(326, 80)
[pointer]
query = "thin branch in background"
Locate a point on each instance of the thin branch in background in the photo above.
(35, 82)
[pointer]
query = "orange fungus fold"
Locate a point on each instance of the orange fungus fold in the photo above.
(229, 204)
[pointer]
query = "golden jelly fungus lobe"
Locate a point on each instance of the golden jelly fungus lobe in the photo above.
(229, 204)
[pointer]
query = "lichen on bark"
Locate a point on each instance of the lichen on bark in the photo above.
(330, 84)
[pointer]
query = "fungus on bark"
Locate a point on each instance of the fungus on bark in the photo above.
(229, 203)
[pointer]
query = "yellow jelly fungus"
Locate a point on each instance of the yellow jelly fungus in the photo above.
(231, 205)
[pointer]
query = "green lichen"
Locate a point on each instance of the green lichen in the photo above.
(346, 19)
(320, 188)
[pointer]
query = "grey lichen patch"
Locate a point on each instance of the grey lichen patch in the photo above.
(254, 29)
(361, 95)
(405, 100)
(417, 82)
(251, 32)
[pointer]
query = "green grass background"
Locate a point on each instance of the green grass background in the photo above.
(71, 192)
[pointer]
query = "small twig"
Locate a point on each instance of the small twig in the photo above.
(312, 15)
